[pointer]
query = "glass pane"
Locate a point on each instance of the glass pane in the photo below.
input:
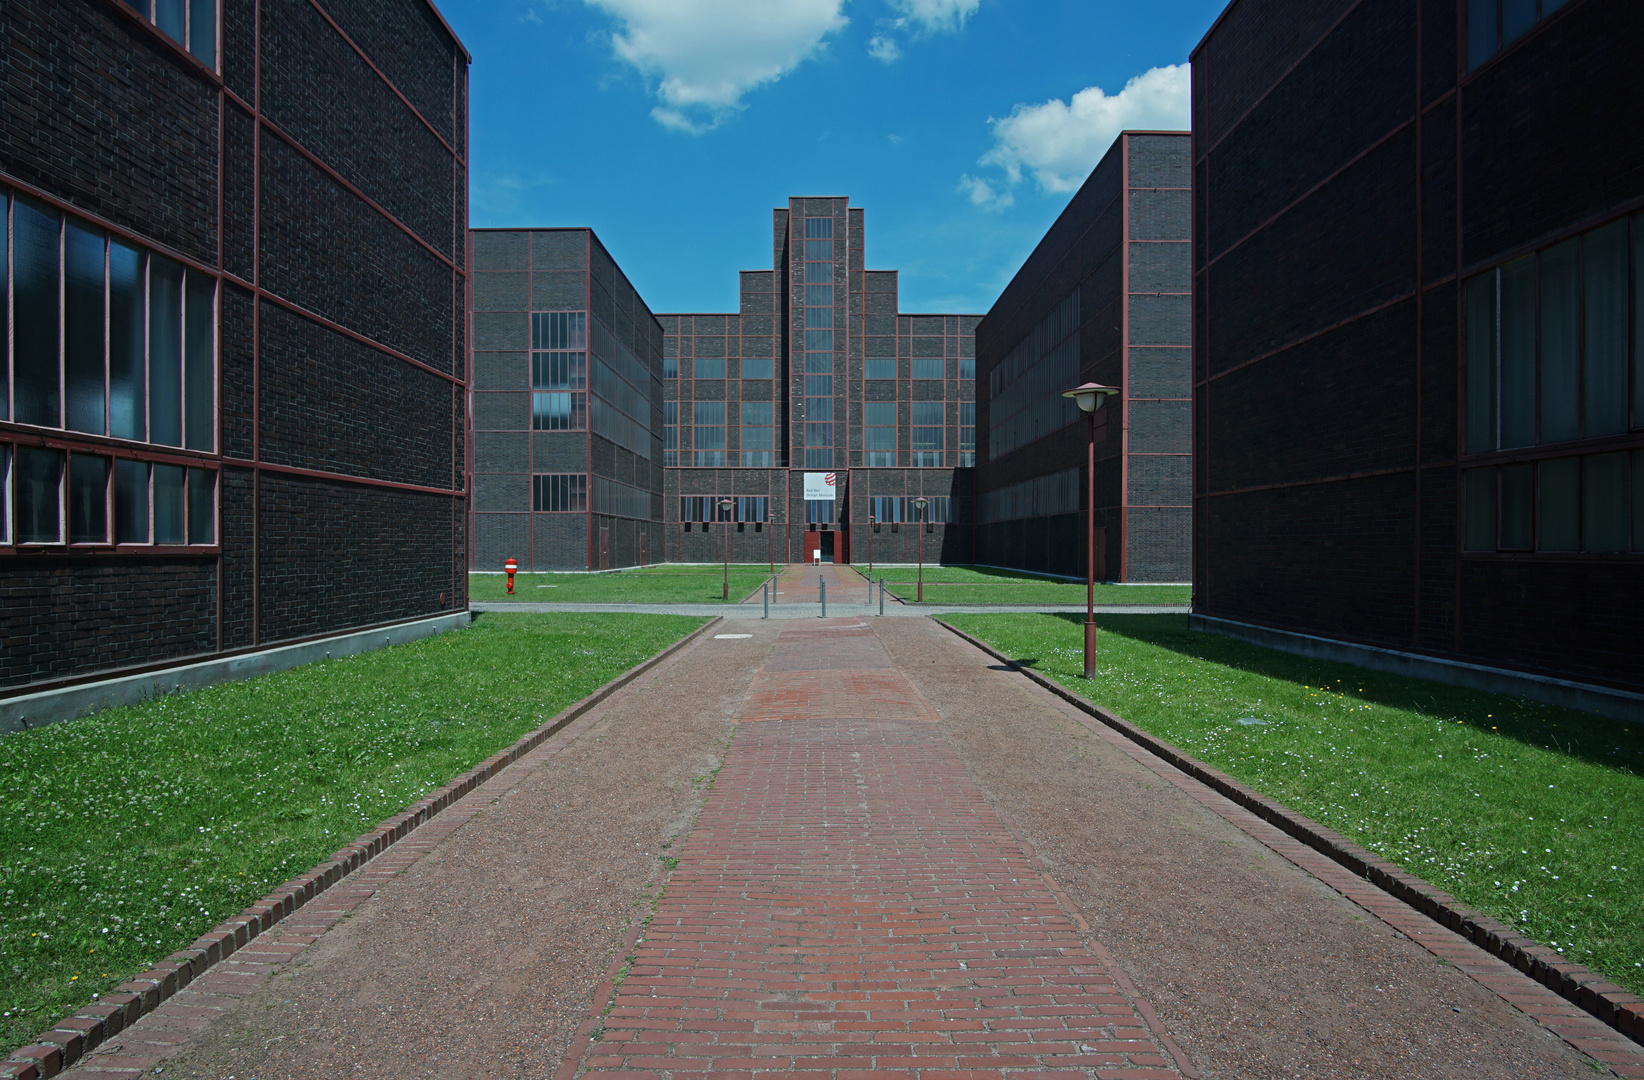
(756, 367)
(1518, 353)
(39, 485)
(881, 367)
(1481, 363)
(165, 352)
(168, 16)
(1604, 502)
(168, 504)
(5, 315)
(5, 490)
(927, 367)
(1517, 507)
(83, 327)
(199, 360)
(1638, 326)
(1556, 483)
(34, 304)
(202, 31)
(202, 506)
(1604, 296)
(127, 403)
(1638, 500)
(1481, 509)
(130, 502)
(1481, 31)
(1560, 334)
(1517, 16)
(88, 499)
(710, 367)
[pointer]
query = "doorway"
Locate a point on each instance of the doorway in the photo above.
(827, 546)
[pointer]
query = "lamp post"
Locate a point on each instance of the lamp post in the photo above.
(919, 511)
(873, 523)
(1089, 398)
(725, 516)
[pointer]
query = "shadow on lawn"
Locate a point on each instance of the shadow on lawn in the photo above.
(1615, 744)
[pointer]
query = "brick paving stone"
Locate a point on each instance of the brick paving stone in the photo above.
(849, 904)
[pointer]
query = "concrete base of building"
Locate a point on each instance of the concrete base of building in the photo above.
(71, 702)
(1617, 704)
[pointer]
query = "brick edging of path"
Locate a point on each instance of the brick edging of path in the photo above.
(1586, 989)
(76, 1035)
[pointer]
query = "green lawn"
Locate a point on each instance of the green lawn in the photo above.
(1532, 813)
(986, 585)
(127, 834)
(651, 585)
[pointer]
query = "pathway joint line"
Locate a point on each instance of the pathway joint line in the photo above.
(1609, 1004)
(75, 1035)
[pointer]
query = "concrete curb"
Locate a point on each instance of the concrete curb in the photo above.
(74, 1036)
(1585, 989)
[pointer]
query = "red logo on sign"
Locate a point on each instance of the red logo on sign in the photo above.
(827, 478)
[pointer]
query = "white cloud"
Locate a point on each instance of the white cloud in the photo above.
(935, 16)
(983, 193)
(884, 48)
(1059, 143)
(706, 54)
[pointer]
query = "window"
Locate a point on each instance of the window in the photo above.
(1026, 386)
(107, 337)
(559, 371)
(927, 367)
(879, 434)
(745, 509)
(756, 367)
(670, 367)
(819, 297)
(899, 509)
(670, 433)
(819, 511)
(879, 367)
(757, 434)
(967, 367)
(5, 494)
(1547, 345)
(886, 509)
(1492, 25)
(190, 23)
(555, 493)
(621, 500)
(55, 497)
(709, 438)
(709, 367)
(1043, 496)
(1593, 503)
(967, 434)
(926, 432)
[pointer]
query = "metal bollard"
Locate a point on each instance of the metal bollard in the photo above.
(767, 601)
(881, 595)
(822, 590)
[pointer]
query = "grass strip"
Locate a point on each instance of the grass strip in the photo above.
(127, 834)
(989, 585)
(649, 585)
(1529, 812)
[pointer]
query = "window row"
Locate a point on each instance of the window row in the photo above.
(1027, 385)
(620, 500)
(54, 497)
(1549, 354)
(559, 371)
(819, 360)
(694, 509)
(1042, 496)
(559, 330)
(190, 23)
(1592, 503)
(894, 510)
(758, 433)
(1492, 25)
(556, 493)
(106, 337)
(716, 367)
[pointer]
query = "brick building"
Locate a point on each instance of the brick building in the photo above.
(232, 357)
(1104, 297)
(1419, 413)
(818, 374)
(567, 405)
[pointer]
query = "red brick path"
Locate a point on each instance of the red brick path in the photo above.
(849, 904)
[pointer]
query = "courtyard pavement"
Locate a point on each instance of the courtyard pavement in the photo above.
(845, 848)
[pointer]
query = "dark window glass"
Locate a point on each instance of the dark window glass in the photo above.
(1557, 485)
(127, 402)
(35, 308)
(926, 433)
(818, 272)
(1481, 363)
(5, 491)
(1517, 16)
(818, 228)
(559, 493)
(967, 367)
(165, 353)
(819, 296)
(670, 367)
(927, 367)
(83, 328)
(168, 16)
(1638, 500)
(757, 436)
(709, 367)
(130, 502)
(819, 386)
(1604, 302)
(169, 506)
(967, 434)
(818, 340)
(202, 506)
(88, 499)
(819, 363)
(708, 440)
(819, 317)
(1481, 31)
(1517, 507)
(1481, 509)
(1518, 353)
(880, 367)
(1604, 502)
(202, 31)
(39, 486)
(5, 324)
(1638, 326)
(756, 367)
(1560, 342)
(198, 362)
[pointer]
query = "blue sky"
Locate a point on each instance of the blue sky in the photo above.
(672, 127)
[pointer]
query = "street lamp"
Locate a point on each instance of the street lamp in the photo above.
(919, 512)
(725, 516)
(873, 524)
(1090, 397)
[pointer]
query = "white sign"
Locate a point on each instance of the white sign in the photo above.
(819, 485)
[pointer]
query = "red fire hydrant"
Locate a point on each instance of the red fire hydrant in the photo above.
(510, 566)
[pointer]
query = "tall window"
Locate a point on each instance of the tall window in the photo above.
(879, 367)
(926, 433)
(756, 367)
(879, 434)
(757, 433)
(559, 371)
(1492, 25)
(559, 493)
(53, 497)
(967, 434)
(708, 440)
(967, 367)
(818, 342)
(819, 511)
(1591, 503)
(927, 367)
(670, 433)
(708, 367)
(670, 366)
(190, 23)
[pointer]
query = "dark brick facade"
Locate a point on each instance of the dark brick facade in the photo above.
(328, 203)
(1357, 171)
(1118, 257)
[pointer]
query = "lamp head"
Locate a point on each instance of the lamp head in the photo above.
(1090, 396)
